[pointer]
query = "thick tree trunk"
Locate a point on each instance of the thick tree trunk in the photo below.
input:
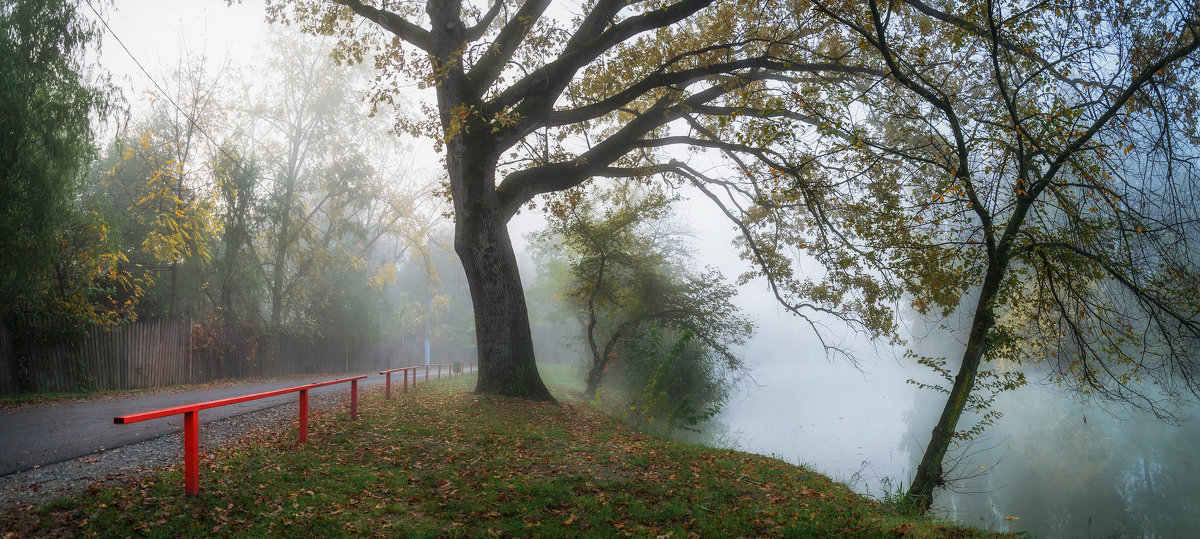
(503, 340)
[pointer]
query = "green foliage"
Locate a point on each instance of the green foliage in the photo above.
(989, 384)
(627, 279)
(48, 102)
(682, 386)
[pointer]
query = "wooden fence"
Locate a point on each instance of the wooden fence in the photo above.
(132, 357)
(166, 353)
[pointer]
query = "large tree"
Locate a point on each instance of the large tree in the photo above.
(47, 103)
(533, 100)
(1031, 168)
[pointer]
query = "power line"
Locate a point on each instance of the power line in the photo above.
(164, 93)
(220, 148)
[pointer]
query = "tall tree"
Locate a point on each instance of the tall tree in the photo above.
(530, 101)
(299, 116)
(237, 178)
(1031, 167)
(48, 101)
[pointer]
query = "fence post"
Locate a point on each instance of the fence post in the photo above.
(388, 391)
(406, 380)
(303, 416)
(191, 452)
(439, 371)
(353, 399)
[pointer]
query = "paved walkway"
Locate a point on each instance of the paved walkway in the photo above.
(38, 435)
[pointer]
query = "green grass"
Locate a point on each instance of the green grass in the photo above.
(441, 461)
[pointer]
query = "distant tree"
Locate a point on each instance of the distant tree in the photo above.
(302, 117)
(90, 283)
(629, 275)
(674, 382)
(48, 103)
(236, 284)
(163, 210)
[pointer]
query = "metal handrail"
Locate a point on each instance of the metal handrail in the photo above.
(191, 421)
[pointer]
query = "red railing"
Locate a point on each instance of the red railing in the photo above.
(191, 421)
(449, 368)
(388, 380)
(466, 367)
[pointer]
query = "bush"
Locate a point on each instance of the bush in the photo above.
(673, 386)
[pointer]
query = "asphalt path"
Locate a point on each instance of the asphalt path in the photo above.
(39, 435)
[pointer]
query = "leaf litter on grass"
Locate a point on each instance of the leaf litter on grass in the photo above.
(441, 461)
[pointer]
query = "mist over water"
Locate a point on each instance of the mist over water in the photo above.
(1053, 466)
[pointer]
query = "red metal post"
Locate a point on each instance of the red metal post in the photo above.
(353, 399)
(388, 394)
(303, 416)
(191, 452)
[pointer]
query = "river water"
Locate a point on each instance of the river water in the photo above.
(1053, 466)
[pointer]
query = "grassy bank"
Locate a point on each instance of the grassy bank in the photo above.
(441, 461)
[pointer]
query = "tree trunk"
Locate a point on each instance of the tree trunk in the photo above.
(593, 382)
(502, 336)
(929, 474)
(504, 343)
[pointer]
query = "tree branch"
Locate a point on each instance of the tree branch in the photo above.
(480, 28)
(488, 68)
(660, 79)
(521, 186)
(393, 23)
(540, 89)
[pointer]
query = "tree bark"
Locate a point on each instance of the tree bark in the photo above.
(593, 379)
(504, 343)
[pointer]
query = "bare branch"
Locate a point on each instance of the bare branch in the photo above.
(480, 28)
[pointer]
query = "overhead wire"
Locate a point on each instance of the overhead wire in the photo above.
(194, 123)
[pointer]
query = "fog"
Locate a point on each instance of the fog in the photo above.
(1053, 465)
